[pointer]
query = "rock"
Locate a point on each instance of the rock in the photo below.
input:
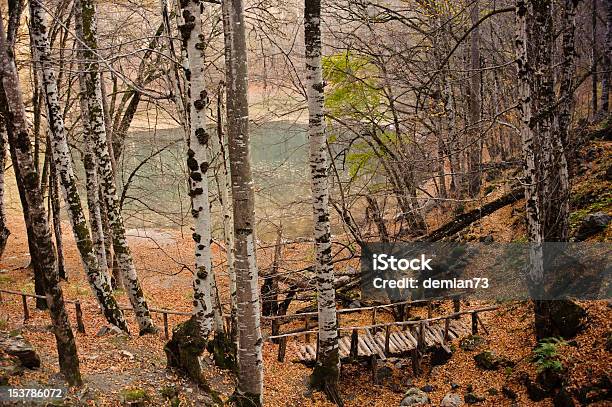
(127, 354)
(549, 379)
(563, 399)
(567, 317)
(473, 398)
(492, 391)
(451, 400)
(471, 342)
(508, 392)
(20, 348)
(383, 374)
(355, 304)
(454, 386)
(535, 391)
(486, 360)
(592, 224)
(415, 397)
(491, 361)
(109, 330)
(428, 388)
(487, 239)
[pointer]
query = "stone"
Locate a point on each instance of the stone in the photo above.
(592, 224)
(355, 304)
(415, 397)
(428, 388)
(109, 330)
(473, 398)
(567, 317)
(454, 386)
(383, 374)
(492, 391)
(486, 360)
(563, 399)
(471, 342)
(508, 392)
(452, 400)
(127, 354)
(20, 348)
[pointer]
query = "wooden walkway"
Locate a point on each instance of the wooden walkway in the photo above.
(384, 344)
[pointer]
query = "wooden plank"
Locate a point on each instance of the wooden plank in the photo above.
(411, 338)
(363, 347)
(406, 345)
(379, 351)
(344, 346)
(398, 344)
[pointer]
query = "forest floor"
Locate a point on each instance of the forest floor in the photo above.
(116, 368)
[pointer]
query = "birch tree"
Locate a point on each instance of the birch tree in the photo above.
(62, 164)
(198, 164)
(327, 368)
(11, 104)
(4, 230)
(86, 32)
(250, 360)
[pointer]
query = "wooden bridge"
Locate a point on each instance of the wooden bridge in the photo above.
(378, 341)
(384, 344)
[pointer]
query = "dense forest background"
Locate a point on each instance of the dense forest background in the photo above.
(185, 188)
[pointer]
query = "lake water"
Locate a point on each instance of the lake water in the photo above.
(157, 195)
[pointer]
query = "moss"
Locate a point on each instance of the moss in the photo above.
(134, 395)
(224, 352)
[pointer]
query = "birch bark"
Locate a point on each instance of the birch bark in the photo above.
(605, 80)
(250, 359)
(4, 231)
(86, 32)
(327, 369)
(62, 164)
(11, 103)
(198, 164)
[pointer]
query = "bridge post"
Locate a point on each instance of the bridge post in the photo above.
(474, 323)
(282, 348)
(354, 344)
(26, 312)
(446, 326)
(387, 333)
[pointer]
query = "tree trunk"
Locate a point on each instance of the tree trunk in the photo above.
(86, 32)
(62, 164)
(475, 142)
(544, 134)
(225, 192)
(250, 359)
(54, 206)
(607, 61)
(198, 164)
(21, 154)
(327, 369)
(594, 76)
(4, 231)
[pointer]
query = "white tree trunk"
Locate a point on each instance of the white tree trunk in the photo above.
(13, 110)
(4, 231)
(250, 341)
(86, 32)
(327, 369)
(63, 166)
(198, 164)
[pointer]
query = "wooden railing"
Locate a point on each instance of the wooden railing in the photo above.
(79, 311)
